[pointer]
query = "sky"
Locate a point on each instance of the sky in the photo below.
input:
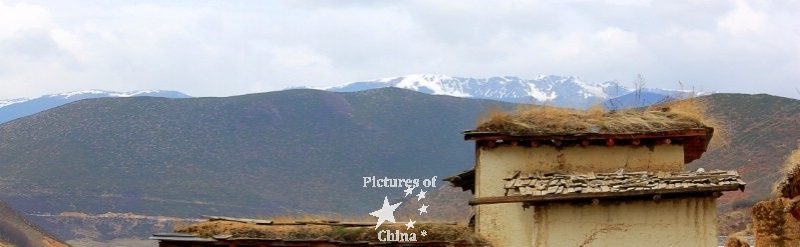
(223, 48)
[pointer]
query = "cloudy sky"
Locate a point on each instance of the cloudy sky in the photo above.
(221, 48)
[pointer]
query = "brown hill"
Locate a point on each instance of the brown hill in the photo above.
(16, 230)
(762, 131)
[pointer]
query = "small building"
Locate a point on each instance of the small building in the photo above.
(555, 177)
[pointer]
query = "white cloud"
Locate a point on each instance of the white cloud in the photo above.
(297, 58)
(223, 48)
(743, 19)
(21, 17)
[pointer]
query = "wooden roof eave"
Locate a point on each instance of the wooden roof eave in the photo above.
(471, 135)
(464, 180)
(699, 138)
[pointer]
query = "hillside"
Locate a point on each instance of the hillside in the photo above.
(289, 151)
(763, 130)
(17, 108)
(16, 230)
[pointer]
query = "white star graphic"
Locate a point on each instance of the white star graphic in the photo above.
(421, 195)
(410, 224)
(423, 209)
(386, 213)
(409, 190)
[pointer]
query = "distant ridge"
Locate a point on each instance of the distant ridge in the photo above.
(16, 108)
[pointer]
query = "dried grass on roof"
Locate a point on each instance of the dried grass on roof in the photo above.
(435, 232)
(545, 120)
(791, 171)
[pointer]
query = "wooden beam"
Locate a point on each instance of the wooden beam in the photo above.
(600, 195)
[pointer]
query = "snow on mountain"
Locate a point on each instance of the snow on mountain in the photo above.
(77, 93)
(566, 91)
(100, 93)
(5, 102)
(550, 89)
(16, 108)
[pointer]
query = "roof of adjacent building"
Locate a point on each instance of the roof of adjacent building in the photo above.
(464, 180)
(226, 240)
(554, 187)
(681, 123)
(694, 141)
(544, 120)
(220, 230)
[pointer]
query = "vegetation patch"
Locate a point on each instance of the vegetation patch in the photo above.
(434, 232)
(788, 186)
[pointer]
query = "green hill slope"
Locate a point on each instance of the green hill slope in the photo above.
(288, 151)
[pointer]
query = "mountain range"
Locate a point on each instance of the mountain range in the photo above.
(16, 108)
(563, 91)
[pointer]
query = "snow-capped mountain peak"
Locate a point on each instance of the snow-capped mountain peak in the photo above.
(568, 91)
(432, 84)
(548, 88)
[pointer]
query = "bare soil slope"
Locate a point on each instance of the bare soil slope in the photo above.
(16, 230)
